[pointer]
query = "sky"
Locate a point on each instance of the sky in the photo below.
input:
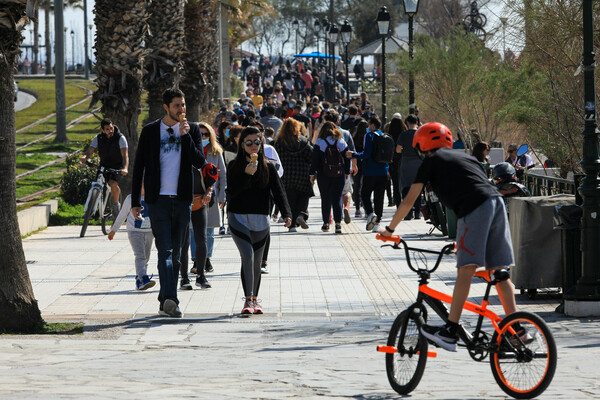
(73, 19)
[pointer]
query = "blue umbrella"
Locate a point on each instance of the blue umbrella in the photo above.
(315, 54)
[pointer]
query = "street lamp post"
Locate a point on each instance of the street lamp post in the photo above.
(317, 29)
(65, 29)
(584, 298)
(504, 20)
(90, 26)
(346, 32)
(296, 26)
(85, 41)
(333, 36)
(410, 8)
(383, 23)
(73, 49)
(326, 82)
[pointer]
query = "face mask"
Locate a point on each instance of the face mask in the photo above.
(226, 133)
(346, 116)
(368, 130)
(205, 142)
(245, 107)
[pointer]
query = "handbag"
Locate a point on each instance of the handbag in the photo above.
(198, 202)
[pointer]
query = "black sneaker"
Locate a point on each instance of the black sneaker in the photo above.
(208, 266)
(440, 336)
(263, 268)
(202, 282)
(409, 216)
(185, 284)
(325, 227)
(338, 228)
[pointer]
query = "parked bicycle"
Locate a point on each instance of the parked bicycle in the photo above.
(523, 367)
(433, 211)
(99, 201)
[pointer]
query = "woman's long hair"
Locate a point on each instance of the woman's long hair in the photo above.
(396, 127)
(239, 163)
(329, 129)
(478, 150)
(215, 148)
(289, 132)
(360, 132)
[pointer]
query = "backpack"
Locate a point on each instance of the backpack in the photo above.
(333, 165)
(383, 148)
(300, 84)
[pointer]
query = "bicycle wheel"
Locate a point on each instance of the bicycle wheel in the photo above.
(89, 211)
(108, 216)
(440, 217)
(523, 370)
(405, 368)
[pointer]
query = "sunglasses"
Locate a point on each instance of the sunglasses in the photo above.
(511, 151)
(251, 142)
(205, 134)
(172, 138)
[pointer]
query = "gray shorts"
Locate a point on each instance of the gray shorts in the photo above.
(483, 237)
(347, 186)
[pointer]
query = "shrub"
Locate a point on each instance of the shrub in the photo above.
(77, 180)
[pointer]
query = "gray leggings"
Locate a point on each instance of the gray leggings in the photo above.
(251, 245)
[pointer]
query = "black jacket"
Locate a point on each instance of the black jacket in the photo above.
(147, 164)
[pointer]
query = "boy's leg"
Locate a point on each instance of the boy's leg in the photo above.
(464, 276)
(506, 294)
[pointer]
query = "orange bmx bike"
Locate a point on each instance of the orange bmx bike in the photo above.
(523, 366)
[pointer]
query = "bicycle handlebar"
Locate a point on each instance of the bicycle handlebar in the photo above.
(103, 169)
(397, 240)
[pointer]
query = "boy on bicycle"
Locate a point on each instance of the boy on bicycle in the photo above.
(482, 228)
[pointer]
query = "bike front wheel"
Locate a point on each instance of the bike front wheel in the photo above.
(89, 211)
(523, 366)
(108, 214)
(405, 368)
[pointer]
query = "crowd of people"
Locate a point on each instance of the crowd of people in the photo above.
(257, 164)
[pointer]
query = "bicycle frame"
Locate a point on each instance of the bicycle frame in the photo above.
(99, 184)
(436, 299)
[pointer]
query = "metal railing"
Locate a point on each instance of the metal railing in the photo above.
(542, 185)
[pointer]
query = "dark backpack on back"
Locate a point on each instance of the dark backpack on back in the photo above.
(383, 148)
(333, 165)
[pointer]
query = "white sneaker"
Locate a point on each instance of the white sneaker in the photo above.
(375, 227)
(371, 220)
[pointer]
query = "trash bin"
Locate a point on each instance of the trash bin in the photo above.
(451, 223)
(567, 219)
(537, 246)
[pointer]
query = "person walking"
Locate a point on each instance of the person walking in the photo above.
(375, 177)
(251, 180)
(329, 168)
(359, 139)
(295, 152)
(410, 164)
(167, 149)
(395, 128)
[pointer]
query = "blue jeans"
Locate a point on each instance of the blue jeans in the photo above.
(170, 218)
(210, 241)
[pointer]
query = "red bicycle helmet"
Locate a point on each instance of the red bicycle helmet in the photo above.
(431, 136)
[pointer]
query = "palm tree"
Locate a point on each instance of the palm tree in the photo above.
(18, 308)
(166, 46)
(48, 6)
(121, 29)
(200, 56)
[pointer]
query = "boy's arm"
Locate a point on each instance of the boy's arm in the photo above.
(404, 207)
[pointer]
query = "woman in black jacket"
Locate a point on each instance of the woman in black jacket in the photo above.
(250, 182)
(295, 152)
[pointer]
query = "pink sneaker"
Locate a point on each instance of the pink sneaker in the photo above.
(248, 307)
(257, 308)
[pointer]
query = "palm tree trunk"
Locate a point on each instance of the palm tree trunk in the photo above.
(200, 57)
(36, 44)
(47, 39)
(166, 46)
(121, 28)
(18, 308)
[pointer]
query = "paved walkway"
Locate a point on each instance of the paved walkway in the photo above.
(328, 300)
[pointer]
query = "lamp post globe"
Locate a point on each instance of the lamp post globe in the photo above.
(383, 24)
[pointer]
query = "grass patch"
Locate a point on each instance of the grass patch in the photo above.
(38, 200)
(55, 328)
(46, 98)
(27, 162)
(43, 179)
(69, 215)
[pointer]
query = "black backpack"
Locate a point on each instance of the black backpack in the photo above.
(299, 84)
(383, 148)
(333, 165)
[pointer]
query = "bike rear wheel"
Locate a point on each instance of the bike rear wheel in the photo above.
(440, 218)
(523, 369)
(405, 368)
(89, 211)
